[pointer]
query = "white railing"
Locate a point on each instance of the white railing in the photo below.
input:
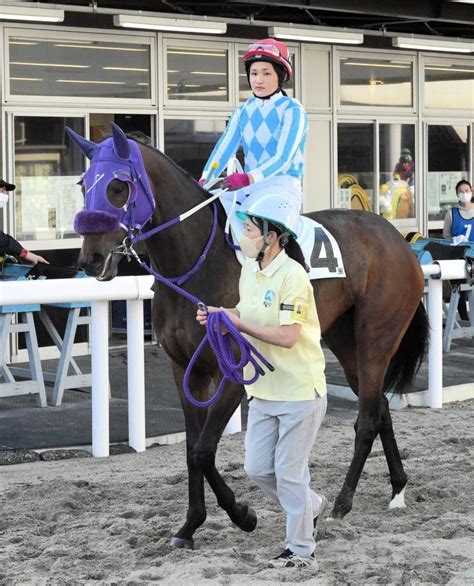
(438, 272)
(134, 290)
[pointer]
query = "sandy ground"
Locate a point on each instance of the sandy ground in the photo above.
(110, 520)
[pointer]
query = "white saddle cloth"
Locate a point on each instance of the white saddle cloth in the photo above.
(321, 251)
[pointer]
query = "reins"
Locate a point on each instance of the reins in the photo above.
(221, 334)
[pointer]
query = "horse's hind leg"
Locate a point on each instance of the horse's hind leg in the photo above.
(398, 478)
(365, 364)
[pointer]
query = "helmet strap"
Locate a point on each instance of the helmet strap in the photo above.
(266, 244)
(269, 95)
(284, 239)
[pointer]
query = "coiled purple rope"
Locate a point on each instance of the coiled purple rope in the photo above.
(222, 345)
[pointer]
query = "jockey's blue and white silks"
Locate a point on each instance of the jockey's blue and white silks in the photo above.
(272, 133)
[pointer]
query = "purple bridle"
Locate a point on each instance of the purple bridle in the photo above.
(120, 158)
(115, 158)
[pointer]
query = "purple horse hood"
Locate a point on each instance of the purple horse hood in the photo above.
(115, 158)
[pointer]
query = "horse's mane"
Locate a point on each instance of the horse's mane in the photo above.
(145, 140)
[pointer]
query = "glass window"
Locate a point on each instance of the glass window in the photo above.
(197, 74)
(355, 160)
(190, 142)
(448, 162)
(397, 170)
(449, 86)
(47, 168)
(79, 68)
(244, 90)
(375, 82)
(139, 126)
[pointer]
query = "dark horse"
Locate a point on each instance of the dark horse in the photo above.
(372, 320)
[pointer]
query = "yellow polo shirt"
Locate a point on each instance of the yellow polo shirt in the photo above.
(281, 294)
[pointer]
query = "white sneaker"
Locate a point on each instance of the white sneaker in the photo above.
(317, 521)
(288, 559)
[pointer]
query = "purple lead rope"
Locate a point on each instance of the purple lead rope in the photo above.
(221, 343)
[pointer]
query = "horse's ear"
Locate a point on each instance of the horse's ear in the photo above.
(121, 146)
(87, 147)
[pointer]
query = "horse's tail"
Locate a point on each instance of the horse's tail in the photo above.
(410, 354)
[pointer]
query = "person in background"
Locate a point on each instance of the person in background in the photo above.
(405, 168)
(270, 126)
(277, 312)
(8, 244)
(459, 220)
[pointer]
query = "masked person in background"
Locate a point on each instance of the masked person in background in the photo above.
(277, 312)
(8, 245)
(459, 220)
(270, 126)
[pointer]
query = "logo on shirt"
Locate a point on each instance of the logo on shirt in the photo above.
(269, 297)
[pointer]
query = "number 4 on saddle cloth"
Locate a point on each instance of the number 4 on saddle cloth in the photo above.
(321, 250)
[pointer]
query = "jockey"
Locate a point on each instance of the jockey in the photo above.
(270, 126)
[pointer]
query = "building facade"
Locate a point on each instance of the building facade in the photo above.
(390, 129)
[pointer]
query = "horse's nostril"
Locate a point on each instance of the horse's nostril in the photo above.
(97, 259)
(92, 263)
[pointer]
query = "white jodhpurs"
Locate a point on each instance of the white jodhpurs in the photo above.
(279, 439)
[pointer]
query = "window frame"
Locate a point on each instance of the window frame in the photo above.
(179, 42)
(64, 34)
(409, 57)
(431, 121)
(436, 59)
(402, 224)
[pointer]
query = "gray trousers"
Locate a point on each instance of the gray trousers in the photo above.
(279, 439)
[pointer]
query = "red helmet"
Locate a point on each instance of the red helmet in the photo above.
(270, 50)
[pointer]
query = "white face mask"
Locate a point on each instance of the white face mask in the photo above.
(3, 199)
(465, 197)
(249, 246)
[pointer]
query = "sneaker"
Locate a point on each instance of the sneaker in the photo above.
(317, 521)
(288, 559)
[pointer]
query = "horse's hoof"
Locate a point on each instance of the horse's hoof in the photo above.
(337, 514)
(398, 501)
(249, 521)
(181, 543)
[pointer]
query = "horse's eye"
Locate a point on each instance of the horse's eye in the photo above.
(118, 193)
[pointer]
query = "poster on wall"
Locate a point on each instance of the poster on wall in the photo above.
(344, 198)
(48, 206)
(447, 186)
(441, 188)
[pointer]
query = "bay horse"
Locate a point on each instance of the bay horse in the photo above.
(372, 320)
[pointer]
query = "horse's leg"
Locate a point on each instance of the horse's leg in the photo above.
(194, 419)
(398, 478)
(340, 339)
(376, 343)
(205, 455)
(204, 428)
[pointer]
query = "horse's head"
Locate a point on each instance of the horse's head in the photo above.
(118, 200)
